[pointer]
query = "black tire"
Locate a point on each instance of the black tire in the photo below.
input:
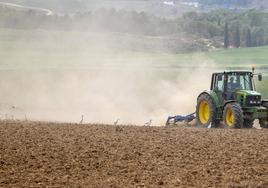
(264, 123)
(211, 120)
(265, 104)
(237, 120)
(248, 123)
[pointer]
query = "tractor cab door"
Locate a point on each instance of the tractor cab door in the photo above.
(217, 85)
(230, 85)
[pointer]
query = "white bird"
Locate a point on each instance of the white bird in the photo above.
(116, 122)
(82, 119)
(148, 123)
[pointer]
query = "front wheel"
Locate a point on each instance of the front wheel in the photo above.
(233, 116)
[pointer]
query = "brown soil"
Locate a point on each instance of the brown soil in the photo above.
(69, 155)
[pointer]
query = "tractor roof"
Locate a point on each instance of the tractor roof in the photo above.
(233, 72)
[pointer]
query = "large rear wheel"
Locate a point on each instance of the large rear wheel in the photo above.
(206, 111)
(233, 116)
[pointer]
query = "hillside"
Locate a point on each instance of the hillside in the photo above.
(71, 6)
(158, 7)
(55, 5)
(199, 31)
(121, 45)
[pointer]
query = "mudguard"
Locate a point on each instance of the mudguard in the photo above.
(214, 97)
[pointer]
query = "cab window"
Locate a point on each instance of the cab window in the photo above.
(219, 82)
(239, 81)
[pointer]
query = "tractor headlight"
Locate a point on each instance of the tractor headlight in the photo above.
(254, 100)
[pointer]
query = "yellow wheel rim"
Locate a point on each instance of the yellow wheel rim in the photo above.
(204, 112)
(230, 117)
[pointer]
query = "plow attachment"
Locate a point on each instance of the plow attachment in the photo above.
(179, 118)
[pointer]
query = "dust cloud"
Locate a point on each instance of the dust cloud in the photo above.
(65, 78)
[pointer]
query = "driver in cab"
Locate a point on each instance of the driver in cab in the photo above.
(232, 85)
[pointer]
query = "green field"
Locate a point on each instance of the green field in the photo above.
(20, 49)
(63, 47)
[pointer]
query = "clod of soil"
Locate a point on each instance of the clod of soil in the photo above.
(36, 154)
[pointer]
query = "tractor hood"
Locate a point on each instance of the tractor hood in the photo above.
(247, 92)
(248, 98)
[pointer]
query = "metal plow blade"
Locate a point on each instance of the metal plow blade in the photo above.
(174, 119)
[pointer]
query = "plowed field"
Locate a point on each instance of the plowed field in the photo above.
(35, 154)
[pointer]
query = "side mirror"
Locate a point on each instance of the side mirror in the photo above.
(260, 77)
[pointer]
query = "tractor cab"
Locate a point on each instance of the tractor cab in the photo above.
(227, 84)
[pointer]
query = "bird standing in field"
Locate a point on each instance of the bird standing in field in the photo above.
(148, 123)
(82, 119)
(116, 122)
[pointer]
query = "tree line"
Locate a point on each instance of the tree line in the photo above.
(236, 29)
(228, 28)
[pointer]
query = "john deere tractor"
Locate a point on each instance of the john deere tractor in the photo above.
(232, 100)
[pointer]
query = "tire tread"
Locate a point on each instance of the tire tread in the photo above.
(239, 117)
(213, 121)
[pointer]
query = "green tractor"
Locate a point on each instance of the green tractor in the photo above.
(233, 100)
